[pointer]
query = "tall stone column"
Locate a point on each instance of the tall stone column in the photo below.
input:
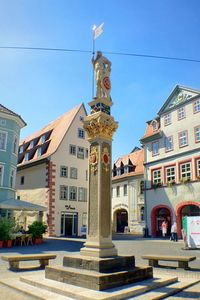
(98, 266)
(100, 127)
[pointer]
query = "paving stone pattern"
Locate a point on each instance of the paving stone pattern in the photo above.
(126, 244)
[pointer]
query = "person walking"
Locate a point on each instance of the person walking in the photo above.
(164, 228)
(174, 235)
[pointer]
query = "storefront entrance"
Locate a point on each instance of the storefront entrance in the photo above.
(158, 215)
(121, 219)
(69, 224)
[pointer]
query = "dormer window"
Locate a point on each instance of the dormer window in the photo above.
(21, 149)
(39, 152)
(118, 172)
(154, 124)
(26, 157)
(126, 169)
(43, 139)
(32, 144)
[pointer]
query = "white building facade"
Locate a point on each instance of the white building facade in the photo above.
(53, 172)
(127, 193)
(172, 161)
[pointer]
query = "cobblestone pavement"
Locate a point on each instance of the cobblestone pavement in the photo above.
(126, 245)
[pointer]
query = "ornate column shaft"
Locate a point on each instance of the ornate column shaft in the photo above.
(100, 127)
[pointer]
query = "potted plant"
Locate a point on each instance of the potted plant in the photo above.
(155, 185)
(6, 229)
(37, 229)
(171, 182)
(185, 180)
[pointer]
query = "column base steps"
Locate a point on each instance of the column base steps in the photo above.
(40, 288)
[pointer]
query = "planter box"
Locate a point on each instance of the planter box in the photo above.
(8, 243)
(38, 241)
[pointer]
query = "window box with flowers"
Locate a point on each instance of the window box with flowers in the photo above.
(185, 180)
(170, 183)
(156, 185)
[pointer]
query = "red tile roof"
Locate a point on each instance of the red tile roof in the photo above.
(137, 160)
(55, 132)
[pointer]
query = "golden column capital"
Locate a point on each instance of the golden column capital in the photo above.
(100, 125)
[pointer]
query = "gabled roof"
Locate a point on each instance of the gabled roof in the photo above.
(7, 111)
(135, 159)
(179, 95)
(48, 139)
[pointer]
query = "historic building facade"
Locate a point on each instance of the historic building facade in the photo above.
(128, 193)
(172, 161)
(53, 172)
(10, 125)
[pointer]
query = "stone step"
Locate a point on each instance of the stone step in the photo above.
(192, 292)
(169, 290)
(95, 280)
(26, 291)
(81, 293)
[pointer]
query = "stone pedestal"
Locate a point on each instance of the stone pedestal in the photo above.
(98, 273)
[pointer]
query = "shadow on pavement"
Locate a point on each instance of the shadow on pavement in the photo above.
(49, 245)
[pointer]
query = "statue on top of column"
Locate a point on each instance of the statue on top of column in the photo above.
(102, 69)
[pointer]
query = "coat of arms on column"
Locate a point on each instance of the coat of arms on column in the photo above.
(105, 159)
(93, 159)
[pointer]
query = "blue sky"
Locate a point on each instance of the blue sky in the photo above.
(41, 85)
